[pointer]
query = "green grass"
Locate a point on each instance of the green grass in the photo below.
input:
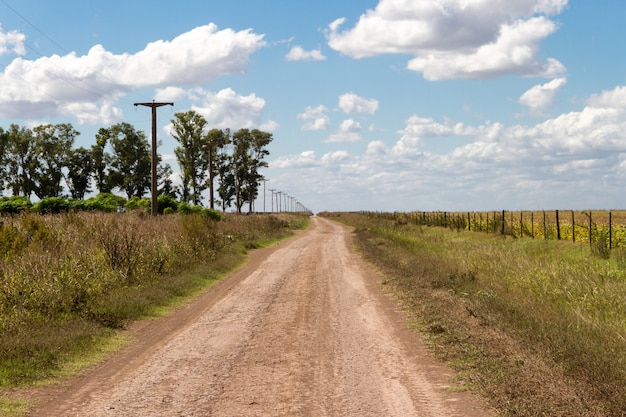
(70, 282)
(537, 326)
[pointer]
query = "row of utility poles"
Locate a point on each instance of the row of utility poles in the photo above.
(284, 202)
(280, 202)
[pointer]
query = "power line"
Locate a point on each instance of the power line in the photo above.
(127, 90)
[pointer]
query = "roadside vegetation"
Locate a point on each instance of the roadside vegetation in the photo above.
(69, 282)
(538, 327)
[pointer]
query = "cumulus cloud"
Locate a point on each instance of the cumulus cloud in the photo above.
(351, 103)
(226, 109)
(316, 118)
(451, 39)
(541, 97)
(12, 41)
(581, 153)
(349, 132)
(297, 53)
(49, 85)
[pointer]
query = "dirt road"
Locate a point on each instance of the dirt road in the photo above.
(303, 330)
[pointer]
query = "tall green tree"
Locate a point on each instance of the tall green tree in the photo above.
(164, 181)
(21, 161)
(53, 144)
(4, 141)
(226, 178)
(249, 151)
(192, 154)
(79, 172)
(99, 159)
(217, 139)
(129, 160)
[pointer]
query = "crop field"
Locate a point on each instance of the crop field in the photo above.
(590, 226)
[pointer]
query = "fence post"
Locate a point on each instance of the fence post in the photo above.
(610, 230)
(558, 227)
(532, 224)
(545, 233)
(590, 230)
(573, 228)
(503, 222)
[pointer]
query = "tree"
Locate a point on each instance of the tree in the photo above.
(53, 144)
(4, 142)
(217, 139)
(80, 168)
(226, 178)
(21, 161)
(248, 154)
(129, 161)
(165, 184)
(99, 158)
(192, 154)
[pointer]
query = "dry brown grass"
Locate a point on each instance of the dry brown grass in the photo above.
(67, 281)
(537, 326)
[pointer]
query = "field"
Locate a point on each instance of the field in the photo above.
(68, 282)
(539, 326)
(577, 226)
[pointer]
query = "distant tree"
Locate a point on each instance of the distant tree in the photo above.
(21, 161)
(165, 184)
(129, 161)
(80, 168)
(99, 158)
(192, 154)
(4, 141)
(249, 150)
(226, 177)
(53, 144)
(217, 139)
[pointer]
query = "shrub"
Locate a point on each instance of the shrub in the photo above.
(52, 205)
(212, 214)
(166, 202)
(14, 204)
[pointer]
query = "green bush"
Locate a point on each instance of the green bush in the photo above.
(166, 202)
(14, 204)
(52, 205)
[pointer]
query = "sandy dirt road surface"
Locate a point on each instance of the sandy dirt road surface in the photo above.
(303, 330)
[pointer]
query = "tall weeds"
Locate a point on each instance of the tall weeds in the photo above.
(540, 326)
(68, 279)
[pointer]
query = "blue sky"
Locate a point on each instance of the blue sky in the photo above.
(374, 105)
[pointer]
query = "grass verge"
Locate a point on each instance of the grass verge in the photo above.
(70, 282)
(538, 327)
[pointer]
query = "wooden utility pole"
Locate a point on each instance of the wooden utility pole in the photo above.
(153, 182)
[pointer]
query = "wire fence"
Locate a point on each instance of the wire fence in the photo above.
(590, 226)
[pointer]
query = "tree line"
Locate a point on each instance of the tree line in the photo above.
(43, 162)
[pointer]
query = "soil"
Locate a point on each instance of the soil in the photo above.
(304, 329)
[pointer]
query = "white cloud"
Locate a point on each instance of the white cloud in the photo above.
(351, 103)
(170, 93)
(572, 159)
(227, 109)
(12, 41)
(316, 118)
(420, 127)
(349, 132)
(540, 97)
(304, 159)
(452, 39)
(48, 86)
(297, 53)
